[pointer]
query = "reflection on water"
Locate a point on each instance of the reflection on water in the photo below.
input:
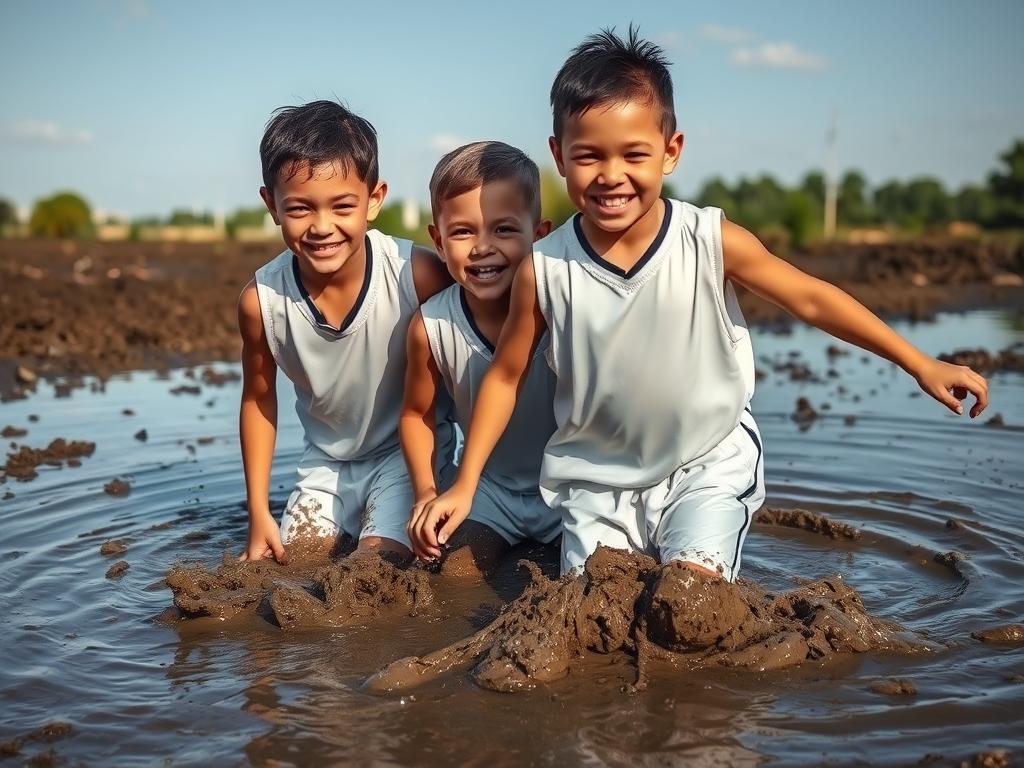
(100, 654)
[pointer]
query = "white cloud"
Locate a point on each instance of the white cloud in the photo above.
(716, 33)
(778, 56)
(44, 132)
(446, 142)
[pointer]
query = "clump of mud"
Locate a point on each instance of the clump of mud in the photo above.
(1009, 359)
(894, 687)
(808, 521)
(22, 463)
(1011, 634)
(117, 487)
(118, 569)
(804, 415)
(305, 592)
(628, 602)
(113, 547)
(48, 733)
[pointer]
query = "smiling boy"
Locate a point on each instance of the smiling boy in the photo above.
(485, 199)
(331, 312)
(656, 449)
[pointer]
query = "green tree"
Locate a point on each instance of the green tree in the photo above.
(801, 217)
(814, 185)
(181, 217)
(554, 200)
(1007, 187)
(975, 204)
(928, 202)
(761, 203)
(8, 216)
(890, 203)
(66, 214)
(852, 206)
(245, 217)
(716, 192)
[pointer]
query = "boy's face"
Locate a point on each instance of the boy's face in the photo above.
(613, 158)
(323, 215)
(483, 234)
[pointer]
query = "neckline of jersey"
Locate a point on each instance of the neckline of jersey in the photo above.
(318, 316)
(616, 270)
(472, 321)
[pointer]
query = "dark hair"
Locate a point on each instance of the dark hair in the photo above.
(476, 164)
(605, 69)
(317, 133)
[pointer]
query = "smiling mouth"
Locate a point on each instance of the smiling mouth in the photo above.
(485, 274)
(612, 202)
(321, 248)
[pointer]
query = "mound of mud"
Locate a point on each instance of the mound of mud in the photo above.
(22, 463)
(1010, 359)
(808, 521)
(305, 593)
(628, 602)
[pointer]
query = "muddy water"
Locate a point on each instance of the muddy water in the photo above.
(138, 686)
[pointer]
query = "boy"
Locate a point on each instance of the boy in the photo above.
(485, 199)
(656, 449)
(332, 313)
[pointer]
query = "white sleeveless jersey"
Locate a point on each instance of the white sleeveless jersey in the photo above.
(653, 366)
(348, 380)
(463, 355)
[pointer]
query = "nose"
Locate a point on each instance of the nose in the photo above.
(321, 224)
(612, 173)
(482, 247)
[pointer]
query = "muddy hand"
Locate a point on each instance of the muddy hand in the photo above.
(949, 384)
(264, 540)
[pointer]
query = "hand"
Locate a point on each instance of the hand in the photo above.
(264, 539)
(418, 510)
(437, 520)
(949, 384)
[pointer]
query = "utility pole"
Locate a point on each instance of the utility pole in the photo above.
(830, 178)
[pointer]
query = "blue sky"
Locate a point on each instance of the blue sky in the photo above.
(144, 106)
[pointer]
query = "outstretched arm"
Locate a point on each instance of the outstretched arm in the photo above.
(257, 428)
(416, 424)
(492, 411)
(834, 311)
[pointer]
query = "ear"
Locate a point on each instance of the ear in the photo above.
(543, 229)
(673, 149)
(556, 152)
(435, 238)
(376, 200)
(268, 200)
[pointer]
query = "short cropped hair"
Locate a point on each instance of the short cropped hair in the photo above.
(314, 134)
(607, 69)
(473, 165)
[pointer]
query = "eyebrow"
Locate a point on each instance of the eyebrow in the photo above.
(337, 198)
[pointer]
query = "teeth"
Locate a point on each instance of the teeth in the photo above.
(484, 271)
(617, 201)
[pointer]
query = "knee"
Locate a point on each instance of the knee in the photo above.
(390, 549)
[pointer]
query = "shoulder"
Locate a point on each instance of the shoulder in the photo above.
(250, 316)
(429, 274)
(559, 244)
(273, 267)
(440, 304)
(692, 218)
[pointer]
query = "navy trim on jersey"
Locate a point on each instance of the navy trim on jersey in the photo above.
(616, 270)
(317, 314)
(472, 323)
(741, 499)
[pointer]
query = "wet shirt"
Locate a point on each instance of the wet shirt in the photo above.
(653, 365)
(463, 355)
(348, 380)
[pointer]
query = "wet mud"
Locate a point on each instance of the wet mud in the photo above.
(117, 487)
(626, 602)
(113, 547)
(985, 362)
(23, 463)
(1010, 634)
(98, 308)
(807, 521)
(896, 687)
(45, 734)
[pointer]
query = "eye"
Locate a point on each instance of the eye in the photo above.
(584, 157)
(508, 229)
(637, 156)
(460, 232)
(344, 207)
(296, 210)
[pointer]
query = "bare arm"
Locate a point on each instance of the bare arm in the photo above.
(257, 427)
(834, 311)
(494, 405)
(416, 423)
(429, 273)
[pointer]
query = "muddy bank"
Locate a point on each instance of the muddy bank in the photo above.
(628, 603)
(23, 461)
(77, 308)
(808, 521)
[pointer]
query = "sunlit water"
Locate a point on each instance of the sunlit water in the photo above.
(94, 652)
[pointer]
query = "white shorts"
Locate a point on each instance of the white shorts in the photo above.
(699, 514)
(369, 497)
(514, 516)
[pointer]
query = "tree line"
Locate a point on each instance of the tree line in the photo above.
(762, 204)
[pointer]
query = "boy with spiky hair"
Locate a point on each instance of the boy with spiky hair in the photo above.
(485, 199)
(331, 312)
(656, 449)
